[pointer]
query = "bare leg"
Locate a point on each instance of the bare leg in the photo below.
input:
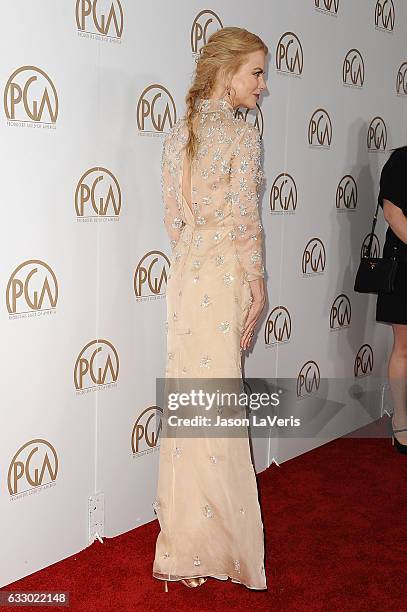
(398, 379)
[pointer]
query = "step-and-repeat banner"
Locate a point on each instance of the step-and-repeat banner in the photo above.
(90, 89)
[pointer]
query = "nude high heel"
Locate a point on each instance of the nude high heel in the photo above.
(194, 582)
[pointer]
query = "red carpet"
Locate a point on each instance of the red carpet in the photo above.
(335, 522)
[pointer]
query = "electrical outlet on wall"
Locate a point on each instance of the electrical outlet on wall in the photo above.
(96, 516)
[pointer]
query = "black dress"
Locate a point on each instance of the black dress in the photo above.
(392, 307)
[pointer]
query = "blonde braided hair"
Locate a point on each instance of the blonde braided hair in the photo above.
(223, 54)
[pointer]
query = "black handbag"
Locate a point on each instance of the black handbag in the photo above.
(376, 274)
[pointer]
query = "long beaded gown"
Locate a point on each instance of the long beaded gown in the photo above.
(207, 501)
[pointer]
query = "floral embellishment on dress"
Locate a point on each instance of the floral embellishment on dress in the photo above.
(224, 326)
(206, 300)
(219, 214)
(217, 236)
(170, 355)
(242, 510)
(236, 564)
(217, 154)
(176, 451)
(220, 259)
(205, 362)
(224, 167)
(207, 200)
(243, 184)
(204, 105)
(242, 228)
(202, 152)
(156, 505)
(177, 223)
(197, 560)
(227, 278)
(196, 279)
(243, 165)
(198, 240)
(166, 555)
(232, 197)
(213, 459)
(255, 257)
(232, 235)
(175, 316)
(207, 510)
(201, 220)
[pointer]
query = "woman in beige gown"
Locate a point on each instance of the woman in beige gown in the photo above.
(207, 502)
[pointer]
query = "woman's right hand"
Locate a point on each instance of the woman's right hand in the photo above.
(257, 288)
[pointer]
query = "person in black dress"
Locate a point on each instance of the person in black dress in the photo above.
(392, 308)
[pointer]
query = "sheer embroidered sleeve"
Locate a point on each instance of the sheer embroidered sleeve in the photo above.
(246, 179)
(172, 216)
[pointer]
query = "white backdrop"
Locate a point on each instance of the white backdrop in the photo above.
(90, 89)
